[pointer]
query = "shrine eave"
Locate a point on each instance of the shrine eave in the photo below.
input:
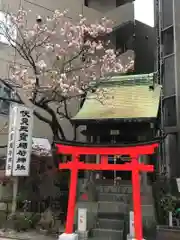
(114, 120)
(109, 145)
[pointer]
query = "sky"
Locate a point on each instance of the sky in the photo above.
(144, 11)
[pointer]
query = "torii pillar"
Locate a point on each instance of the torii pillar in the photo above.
(75, 165)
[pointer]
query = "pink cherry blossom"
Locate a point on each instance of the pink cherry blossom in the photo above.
(63, 55)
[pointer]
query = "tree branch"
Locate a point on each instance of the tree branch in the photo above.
(42, 118)
(55, 124)
(64, 114)
(3, 146)
(11, 100)
(74, 57)
(24, 52)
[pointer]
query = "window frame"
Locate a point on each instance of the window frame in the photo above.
(4, 94)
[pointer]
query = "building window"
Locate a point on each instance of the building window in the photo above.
(6, 25)
(168, 41)
(86, 3)
(4, 105)
(119, 2)
(170, 111)
(2, 163)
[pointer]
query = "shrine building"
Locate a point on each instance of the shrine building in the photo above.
(127, 123)
(128, 114)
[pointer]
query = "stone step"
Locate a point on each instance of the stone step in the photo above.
(124, 198)
(145, 200)
(108, 234)
(112, 207)
(97, 238)
(123, 189)
(113, 224)
(114, 197)
(110, 182)
(114, 216)
(82, 235)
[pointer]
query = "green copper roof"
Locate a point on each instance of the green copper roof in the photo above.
(129, 97)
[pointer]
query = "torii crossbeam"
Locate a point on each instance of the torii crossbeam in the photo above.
(134, 166)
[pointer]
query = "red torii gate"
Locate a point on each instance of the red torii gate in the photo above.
(75, 165)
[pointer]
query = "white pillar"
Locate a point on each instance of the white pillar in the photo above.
(131, 224)
(131, 235)
(170, 219)
(82, 219)
(82, 224)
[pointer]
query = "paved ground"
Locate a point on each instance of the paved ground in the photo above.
(25, 236)
(3, 238)
(20, 239)
(39, 238)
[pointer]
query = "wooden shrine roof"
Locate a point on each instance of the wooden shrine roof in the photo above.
(125, 97)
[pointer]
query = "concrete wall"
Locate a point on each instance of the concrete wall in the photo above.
(169, 31)
(119, 14)
(144, 47)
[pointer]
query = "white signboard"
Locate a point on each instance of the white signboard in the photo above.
(82, 219)
(131, 224)
(23, 141)
(178, 183)
(11, 140)
(20, 141)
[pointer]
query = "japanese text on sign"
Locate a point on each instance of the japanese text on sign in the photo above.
(82, 219)
(11, 140)
(23, 142)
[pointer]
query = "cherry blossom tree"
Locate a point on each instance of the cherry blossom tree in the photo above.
(60, 60)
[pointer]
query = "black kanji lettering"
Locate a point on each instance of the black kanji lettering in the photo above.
(10, 152)
(25, 113)
(21, 160)
(23, 136)
(25, 121)
(22, 145)
(20, 167)
(11, 145)
(23, 129)
(22, 153)
(9, 160)
(9, 167)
